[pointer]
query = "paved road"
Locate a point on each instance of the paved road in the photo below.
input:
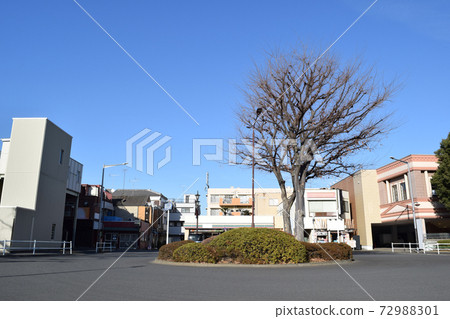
(385, 276)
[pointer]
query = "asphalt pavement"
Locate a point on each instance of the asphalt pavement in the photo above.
(136, 276)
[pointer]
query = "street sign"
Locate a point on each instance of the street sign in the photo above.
(168, 206)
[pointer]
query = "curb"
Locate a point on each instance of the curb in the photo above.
(314, 264)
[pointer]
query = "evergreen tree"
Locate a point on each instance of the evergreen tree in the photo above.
(441, 179)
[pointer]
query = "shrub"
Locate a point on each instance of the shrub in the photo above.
(195, 252)
(444, 241)
(208, 240)
(166, 251)
(336, 251)
(259, 246)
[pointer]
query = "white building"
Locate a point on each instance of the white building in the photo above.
(35, 181)
(183, 210)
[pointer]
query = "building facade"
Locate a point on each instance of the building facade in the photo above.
(88, 215)
(327, 211)
(138, 214)
(35, 182)
(383, 205)
(183, 210)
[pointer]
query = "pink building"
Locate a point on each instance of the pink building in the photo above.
(388, 187)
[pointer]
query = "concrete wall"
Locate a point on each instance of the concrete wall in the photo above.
(17, 218)
(35, 178)
(364, 195)
(367, 202)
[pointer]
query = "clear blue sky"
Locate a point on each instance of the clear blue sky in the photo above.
(57, 63)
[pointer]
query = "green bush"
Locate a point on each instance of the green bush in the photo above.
(166, 251)
(259, 246)
(444, 241)
(208, 240)
(195, 252)
(329, 251)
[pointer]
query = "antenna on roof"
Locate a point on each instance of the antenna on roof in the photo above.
(207, 181)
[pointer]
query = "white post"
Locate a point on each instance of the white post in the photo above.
(64, 247)
(409, 247)
(392, 244)
(168, 219)
(70, 247)
(438, 248)
(34, 246)
(4, 247)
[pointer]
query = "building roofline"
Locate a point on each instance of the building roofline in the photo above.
(409, 158)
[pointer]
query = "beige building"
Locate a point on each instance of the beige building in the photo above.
(238, 202)
(34, 173)
(327, 211)
(364, 203)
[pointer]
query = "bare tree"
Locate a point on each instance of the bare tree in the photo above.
(310, 113)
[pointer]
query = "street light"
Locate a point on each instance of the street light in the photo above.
(197, 209)
(411, 193)
(258, 112)
(101, 198)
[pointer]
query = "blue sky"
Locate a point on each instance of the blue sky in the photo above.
(57, 63)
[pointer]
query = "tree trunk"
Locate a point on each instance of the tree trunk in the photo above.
(287, 201)
(299, 187)
(286, 216)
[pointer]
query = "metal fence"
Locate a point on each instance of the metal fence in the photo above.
(103, 246)
(437, 247)
(35, 246)
(411, 247)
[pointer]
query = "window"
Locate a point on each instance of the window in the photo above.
(215, 199)
(245, 199)
(227, 199)
(215, 211)
(61, 156)
(53, 231)
(394, 193)
(185, 210)
(322, 208)
(403, 194)
(273, 202)
(186, 199)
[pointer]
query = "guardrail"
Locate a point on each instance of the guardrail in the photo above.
(35, 245)
(103, 246)
(406, 247)
(438, 247)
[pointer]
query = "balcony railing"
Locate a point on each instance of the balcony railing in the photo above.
(228, 202)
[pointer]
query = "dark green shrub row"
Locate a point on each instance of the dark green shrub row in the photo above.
(443, 241)
(259, 246)
(329, 251)
(195, 253)
(166, 251)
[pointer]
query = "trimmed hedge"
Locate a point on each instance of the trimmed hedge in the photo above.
(166, 251)
(336, 251)
(444, 241)
(208, 240)
(259, 246)
(195, 253)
